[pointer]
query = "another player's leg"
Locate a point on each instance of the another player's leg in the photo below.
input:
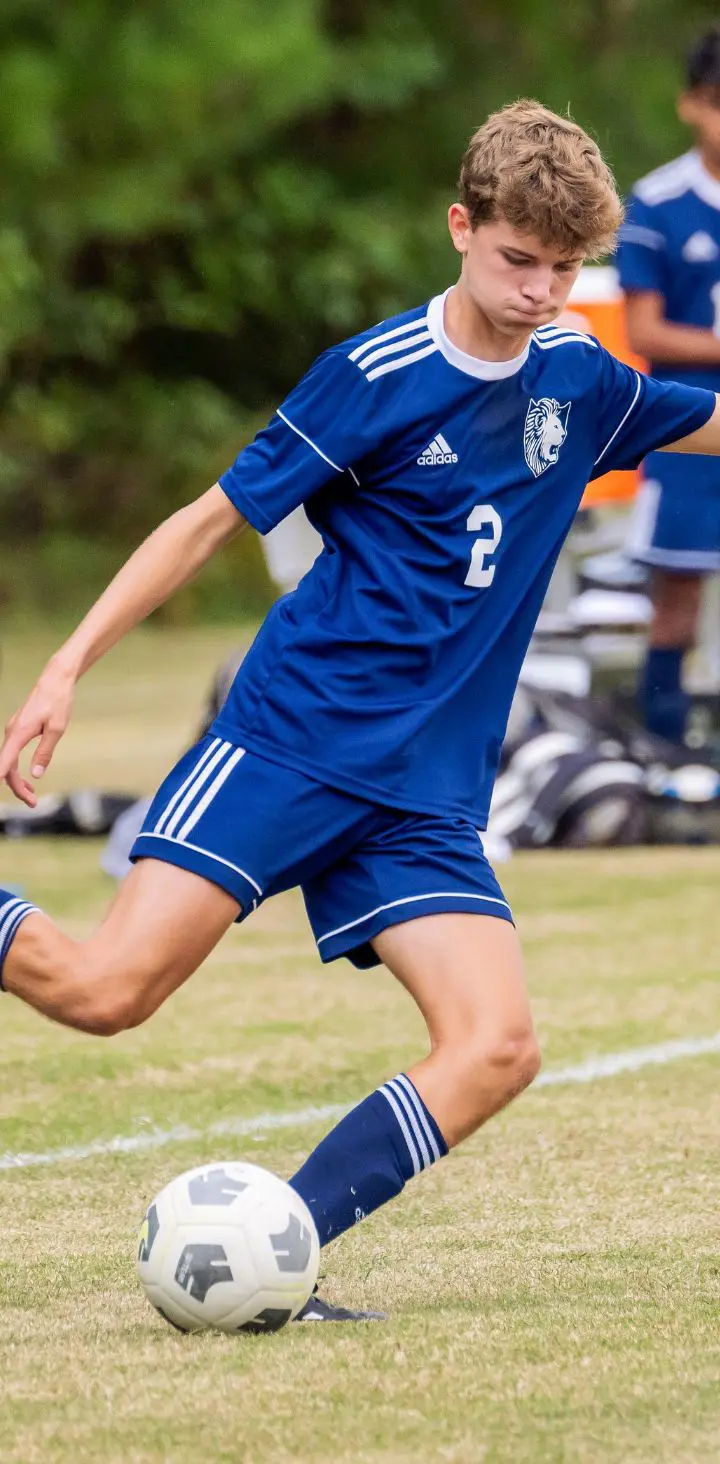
(465, 973)
(161, 926)
(676, 610)
(676, 533)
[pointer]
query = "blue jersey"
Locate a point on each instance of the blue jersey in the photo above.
(442, 487)
(670, 242)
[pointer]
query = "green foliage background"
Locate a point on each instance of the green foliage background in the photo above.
(196, 198)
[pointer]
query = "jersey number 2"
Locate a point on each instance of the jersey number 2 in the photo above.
(480, 574)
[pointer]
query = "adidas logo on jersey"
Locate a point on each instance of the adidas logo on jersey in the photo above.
(437, 451)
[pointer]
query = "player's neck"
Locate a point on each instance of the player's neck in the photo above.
(468, 328)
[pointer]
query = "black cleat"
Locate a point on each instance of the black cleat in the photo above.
(317, 1310)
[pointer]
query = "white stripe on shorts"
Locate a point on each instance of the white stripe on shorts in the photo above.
(412, 900)
(211, 793)
(177, 795)
(220, 755)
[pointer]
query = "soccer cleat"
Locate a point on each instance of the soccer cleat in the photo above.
(317, 1310)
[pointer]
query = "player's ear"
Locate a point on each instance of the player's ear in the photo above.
(687, 108)
(459, 226)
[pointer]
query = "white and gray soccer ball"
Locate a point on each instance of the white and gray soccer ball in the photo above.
(228, 1246)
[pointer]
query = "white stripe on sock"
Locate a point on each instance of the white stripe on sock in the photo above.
(410, 1115)
(404, 1082)
(13, 916)
(211, 793)
(6, 919)
(412, 1151)
(221, 755)
(178, 794)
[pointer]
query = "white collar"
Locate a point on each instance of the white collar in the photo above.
(471, 365)
(703, 183)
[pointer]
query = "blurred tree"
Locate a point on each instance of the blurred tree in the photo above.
(196, 198)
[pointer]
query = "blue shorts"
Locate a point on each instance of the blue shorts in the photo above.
(677, 516)
(256, 828)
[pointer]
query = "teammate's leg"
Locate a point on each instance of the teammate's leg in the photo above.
(676, 600)
(675, 532)
(161, 926)
(465, 973)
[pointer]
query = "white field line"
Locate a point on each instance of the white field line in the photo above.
(607, 1066)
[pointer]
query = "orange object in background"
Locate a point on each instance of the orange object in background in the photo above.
(596, 305)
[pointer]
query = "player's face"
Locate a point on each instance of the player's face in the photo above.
(700, 109)
(516, 281)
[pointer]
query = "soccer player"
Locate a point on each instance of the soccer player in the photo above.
(442, 456)
(669, 261)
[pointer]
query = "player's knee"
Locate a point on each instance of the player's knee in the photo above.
(105, 1011)
(105, 999)
(507, 1062)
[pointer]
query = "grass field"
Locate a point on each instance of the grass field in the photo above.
(554, 1286)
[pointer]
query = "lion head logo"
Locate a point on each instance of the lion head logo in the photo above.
(545, 433)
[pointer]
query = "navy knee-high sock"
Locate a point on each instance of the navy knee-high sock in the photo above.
(664, 703)
(13, 910)
(368, 1157)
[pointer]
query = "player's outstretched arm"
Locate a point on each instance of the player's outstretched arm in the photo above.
(166, 561)
(706, 439)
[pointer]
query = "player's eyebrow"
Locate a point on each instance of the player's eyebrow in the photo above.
(522, 254)
(519, 253)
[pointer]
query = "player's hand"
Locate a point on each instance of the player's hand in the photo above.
(44, 715)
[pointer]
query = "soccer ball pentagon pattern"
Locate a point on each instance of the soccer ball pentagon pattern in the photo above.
(228, 1246)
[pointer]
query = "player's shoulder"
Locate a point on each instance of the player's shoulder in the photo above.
(574, 344)
(392, 346)
(667, 183)
(568, 362)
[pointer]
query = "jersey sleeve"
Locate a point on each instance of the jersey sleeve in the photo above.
(642, 258)
(637, 414)
(319, 432)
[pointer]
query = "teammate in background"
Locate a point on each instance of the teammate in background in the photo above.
(669, 262)
(442, 456)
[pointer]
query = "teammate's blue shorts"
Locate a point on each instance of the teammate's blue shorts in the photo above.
(256, 828)
(677, 515)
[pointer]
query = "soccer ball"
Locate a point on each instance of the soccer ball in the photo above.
(228, 1246)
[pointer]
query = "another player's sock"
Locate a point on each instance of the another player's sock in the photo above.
(367, 1158)
(13, 910)
(664, 703)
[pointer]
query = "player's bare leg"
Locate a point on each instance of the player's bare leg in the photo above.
(161, 926)
(466, 974)
(676, 608)
(673, 632)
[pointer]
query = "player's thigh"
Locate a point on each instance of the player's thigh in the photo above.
(225, 830)
(161, 926)
(419, 895)
(466, 974)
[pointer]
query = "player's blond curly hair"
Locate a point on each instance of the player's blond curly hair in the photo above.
(545, 176)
